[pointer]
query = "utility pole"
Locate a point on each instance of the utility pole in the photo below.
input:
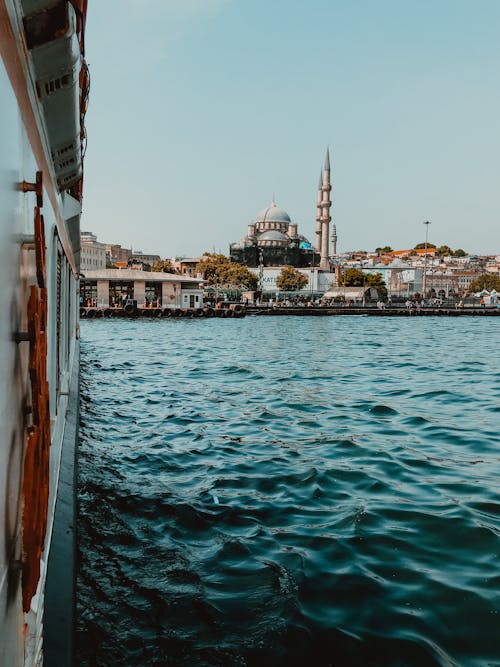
(424, 279)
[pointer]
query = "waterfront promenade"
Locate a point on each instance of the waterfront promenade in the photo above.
(373, 311)
(238, 310)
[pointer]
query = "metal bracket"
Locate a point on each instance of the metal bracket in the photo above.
(36, 187)
(22, 337)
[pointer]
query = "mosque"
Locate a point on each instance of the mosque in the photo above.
(273, 240)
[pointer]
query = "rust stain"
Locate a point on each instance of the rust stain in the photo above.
(37, 455)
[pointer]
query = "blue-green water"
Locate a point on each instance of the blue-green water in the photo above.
(290, 491)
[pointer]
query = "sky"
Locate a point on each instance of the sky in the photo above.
(201, 110)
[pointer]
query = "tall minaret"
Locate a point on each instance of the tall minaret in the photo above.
(319, 212)
(334, 239)
(324, 264)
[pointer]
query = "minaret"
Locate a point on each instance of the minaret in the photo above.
(334, 239)
(319, 213)
(324, 264)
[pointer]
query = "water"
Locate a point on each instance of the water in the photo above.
(290, 491)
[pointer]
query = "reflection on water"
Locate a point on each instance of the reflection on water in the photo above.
(292, 491)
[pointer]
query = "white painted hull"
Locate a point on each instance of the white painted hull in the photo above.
(24, 151)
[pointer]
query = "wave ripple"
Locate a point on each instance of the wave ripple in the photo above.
(324, 492)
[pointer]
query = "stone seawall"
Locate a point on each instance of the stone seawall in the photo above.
(376, 312)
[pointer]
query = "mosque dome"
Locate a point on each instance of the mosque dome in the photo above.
(273, 238)
(273, 214)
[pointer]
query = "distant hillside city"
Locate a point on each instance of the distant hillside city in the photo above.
(447, 272)
(273, 257)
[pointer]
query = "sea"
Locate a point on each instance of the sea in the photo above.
(289, 491)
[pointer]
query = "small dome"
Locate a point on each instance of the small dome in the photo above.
(272, 235)
(242, 243)
(273, 214)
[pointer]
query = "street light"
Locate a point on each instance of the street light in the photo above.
(424, 280)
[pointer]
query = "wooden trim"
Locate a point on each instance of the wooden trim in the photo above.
(16, 66)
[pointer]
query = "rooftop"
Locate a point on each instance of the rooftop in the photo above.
(134, 274)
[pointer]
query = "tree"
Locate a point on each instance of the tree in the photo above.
(212, 267)
(164, 266)
(384, 250)
(444, 250)
(356, 278)
(291, 280)
(486, 281)
(422, 246)
(217, 269)
(237, 274)
(460, 253)
(352, 278)
(376, 280)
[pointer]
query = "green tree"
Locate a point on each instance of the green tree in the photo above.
(421, 246)
(237, 274)
(291, 280)
(164, 266)
(212, 267)
(217, 269)
(460, 253)
(352, 278)
(384, 250)
(444, 250)
(376, 280)
(486, 281)
(356, 278)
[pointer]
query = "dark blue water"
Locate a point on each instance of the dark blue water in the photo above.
(290, 491)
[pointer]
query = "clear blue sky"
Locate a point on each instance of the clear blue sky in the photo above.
(201, 109)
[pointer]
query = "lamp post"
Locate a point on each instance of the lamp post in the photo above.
(424, 279)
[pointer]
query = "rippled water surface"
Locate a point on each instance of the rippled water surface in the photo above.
(290, 491)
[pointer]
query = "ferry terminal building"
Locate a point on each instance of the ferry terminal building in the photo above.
(111, 288)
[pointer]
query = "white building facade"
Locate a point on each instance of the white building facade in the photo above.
(92, 253)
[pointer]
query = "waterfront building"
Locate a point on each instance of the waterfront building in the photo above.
(187, 266)
(115, 253)
(92, 253)
(113, 287)
(317, 281)
(401, 279)
(463, 278)
(147, 260)
(444, 282)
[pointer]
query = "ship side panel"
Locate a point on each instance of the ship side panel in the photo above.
(13, 368)
(21, 634)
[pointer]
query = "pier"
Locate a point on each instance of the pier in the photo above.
(240, 310)
(129, 311)
(372, 311)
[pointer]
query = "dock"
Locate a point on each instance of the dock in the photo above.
(312, 311)
(234, 311)
(240, 310)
